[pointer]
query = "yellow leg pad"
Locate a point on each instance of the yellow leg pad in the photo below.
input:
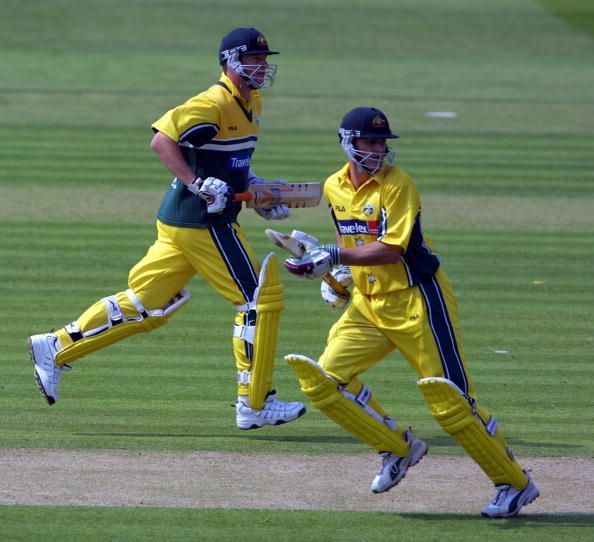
(83, 347)
(270, 302)
(131, 318)
(456, 416)
(359, 421)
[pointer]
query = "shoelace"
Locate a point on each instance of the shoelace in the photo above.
(501, 494)
(385, 460)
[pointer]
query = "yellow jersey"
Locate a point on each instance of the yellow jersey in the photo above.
(386, 208)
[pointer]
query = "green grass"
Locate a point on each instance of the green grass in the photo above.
(158, 524)
(507, 189)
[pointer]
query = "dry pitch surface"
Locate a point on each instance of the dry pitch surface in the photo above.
(221, 480)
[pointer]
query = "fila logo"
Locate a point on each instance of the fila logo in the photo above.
(232, 128)
(340, 208)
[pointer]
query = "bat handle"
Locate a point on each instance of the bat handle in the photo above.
(243, 196)
(335, 285)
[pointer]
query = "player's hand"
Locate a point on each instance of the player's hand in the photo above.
(278, 212)
(254, 179)
(313, 264)
(216, 193)
(275, 212)
(337, 301)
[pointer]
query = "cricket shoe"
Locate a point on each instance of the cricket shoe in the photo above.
(43, 349)
(509, 501)
(394, 468)
(274, 412)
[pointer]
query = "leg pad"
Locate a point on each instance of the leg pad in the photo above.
(262, 333)
(112, 319)
(456, 413)
(355, 416)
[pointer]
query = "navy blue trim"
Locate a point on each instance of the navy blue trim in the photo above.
(334, 219)
(199, 134)
(383, 223)
(443, 333)
(248, 114)
(249, 319)
(245, 139)
(236, 259)
(418, 259)
(221, 84)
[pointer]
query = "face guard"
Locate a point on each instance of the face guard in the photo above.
(371, 162)
(257, 75)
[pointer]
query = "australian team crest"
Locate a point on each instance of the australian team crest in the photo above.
(368, 209)
(378, 122)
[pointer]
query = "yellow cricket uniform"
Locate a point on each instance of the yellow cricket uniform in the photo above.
(217, 132)
(410, 305)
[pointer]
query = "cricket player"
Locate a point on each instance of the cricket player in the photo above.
(402, 299)
(207, 143)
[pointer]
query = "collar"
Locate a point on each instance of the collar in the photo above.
(344, 178)
(235, 91)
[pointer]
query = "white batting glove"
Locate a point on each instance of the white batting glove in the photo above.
(312, 265)
(254, 179)
(216, 193)
(337, 301)
(278, 212)
(195, 185)
(308, 241)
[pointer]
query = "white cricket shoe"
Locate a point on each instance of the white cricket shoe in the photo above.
(509, 501)
(394, 468)
(274, 412)
(43, 349)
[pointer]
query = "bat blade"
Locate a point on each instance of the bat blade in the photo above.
(293, 195)
(297, 249)
(293, 246)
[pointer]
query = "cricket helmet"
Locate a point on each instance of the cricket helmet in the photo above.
(366, 123)
(248, 41)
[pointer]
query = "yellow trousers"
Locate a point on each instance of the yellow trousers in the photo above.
(220, 256)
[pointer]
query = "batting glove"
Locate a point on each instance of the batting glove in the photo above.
(312, 265)
(216, 193)
(337, 301)
(309, 242)
(278, 212)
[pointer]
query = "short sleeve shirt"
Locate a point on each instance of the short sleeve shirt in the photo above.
(386, 208)
(217, 132)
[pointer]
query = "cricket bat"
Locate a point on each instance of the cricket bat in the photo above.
(293, 195)
(296, 248)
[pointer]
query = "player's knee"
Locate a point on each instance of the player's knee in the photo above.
(151, 319)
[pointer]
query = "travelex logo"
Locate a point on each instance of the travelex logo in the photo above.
(241, 161)
(358, 227)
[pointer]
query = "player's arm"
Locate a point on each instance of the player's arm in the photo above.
(375, 253)
(170, 154)
(194, 122)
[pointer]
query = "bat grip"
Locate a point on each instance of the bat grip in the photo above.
(243, 196)
(335, 285)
